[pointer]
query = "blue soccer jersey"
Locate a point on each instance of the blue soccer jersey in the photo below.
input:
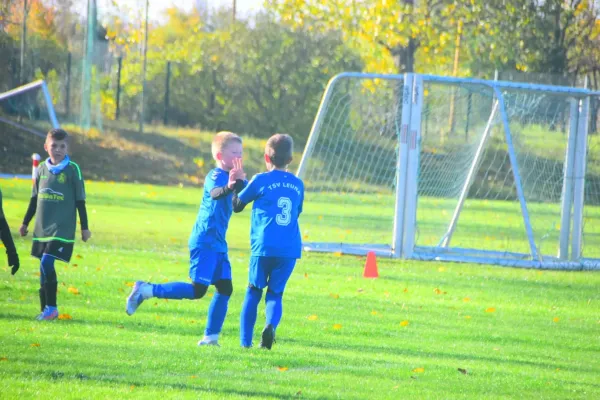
(278, 197)
(213, 217)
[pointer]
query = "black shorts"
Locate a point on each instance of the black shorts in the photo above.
(59, 250)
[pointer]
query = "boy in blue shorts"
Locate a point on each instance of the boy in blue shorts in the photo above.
(274, 236)
(209, 264)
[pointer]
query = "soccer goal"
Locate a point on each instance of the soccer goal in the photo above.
(436, 168)
(28, 108)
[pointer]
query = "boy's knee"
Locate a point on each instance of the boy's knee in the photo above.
(253, 288)
(271, 293)
(224, 287)
(199, 290)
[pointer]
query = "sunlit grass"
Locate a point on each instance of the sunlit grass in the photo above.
(421, 330)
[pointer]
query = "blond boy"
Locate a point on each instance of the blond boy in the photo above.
(209, 264)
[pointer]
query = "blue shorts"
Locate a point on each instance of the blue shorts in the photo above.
(207, 267)
(271, 272)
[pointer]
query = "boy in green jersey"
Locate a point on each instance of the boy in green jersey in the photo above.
(58, 191)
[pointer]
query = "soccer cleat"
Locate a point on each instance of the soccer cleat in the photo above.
(268, 337)
(209, 342)
(49, 314)
(135, 298)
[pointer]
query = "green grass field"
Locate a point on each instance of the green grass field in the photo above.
(421, 330)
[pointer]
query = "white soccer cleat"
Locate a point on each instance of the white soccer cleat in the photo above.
(135, 298)
(208, 342)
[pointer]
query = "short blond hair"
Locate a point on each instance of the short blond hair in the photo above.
(222, 140)
(280, 148)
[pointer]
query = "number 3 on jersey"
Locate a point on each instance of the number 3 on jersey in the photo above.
(285, 217)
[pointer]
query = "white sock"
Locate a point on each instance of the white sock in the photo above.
(146, 290)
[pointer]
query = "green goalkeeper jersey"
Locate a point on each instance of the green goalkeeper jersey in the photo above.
(56, 204)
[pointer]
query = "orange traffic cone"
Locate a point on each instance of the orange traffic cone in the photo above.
(371, 266)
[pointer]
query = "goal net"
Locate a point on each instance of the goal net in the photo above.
(435, 168)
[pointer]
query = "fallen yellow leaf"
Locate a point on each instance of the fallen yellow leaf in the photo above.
(466, 299)
(282, 369)
(337, 326)
(419, 370)
(334, 295)
(64, 316)
(3, 359)
(467, 317)
(404, 323)
(73, 290)
(35, 345)
(555, 319)
(130, 284)
(312, 317)
(337, 254)
(490, 310)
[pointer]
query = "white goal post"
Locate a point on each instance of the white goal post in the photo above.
(437, 168)
(47, 99)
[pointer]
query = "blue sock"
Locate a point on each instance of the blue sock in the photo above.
(248, 317)
(216, 314)
(174, 290)
(274, 308)
(48, 274)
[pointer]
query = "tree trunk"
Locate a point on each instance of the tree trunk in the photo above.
(404, 57)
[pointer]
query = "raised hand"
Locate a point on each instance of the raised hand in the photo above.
(238, 167)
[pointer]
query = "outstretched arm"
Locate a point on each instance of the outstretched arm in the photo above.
(238, 205)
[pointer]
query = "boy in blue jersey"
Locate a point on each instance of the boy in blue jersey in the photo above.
(274, 236)
(209, 264)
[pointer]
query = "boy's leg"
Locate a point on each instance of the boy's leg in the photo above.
(171, 290)
(257, 278)
(50, 287)
(278, 278)
(37, 251)
(217, 310)
(202, 266)
(42, 291)
(248, 316)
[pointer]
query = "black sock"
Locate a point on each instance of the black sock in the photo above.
(42, 298)
(51, 288)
